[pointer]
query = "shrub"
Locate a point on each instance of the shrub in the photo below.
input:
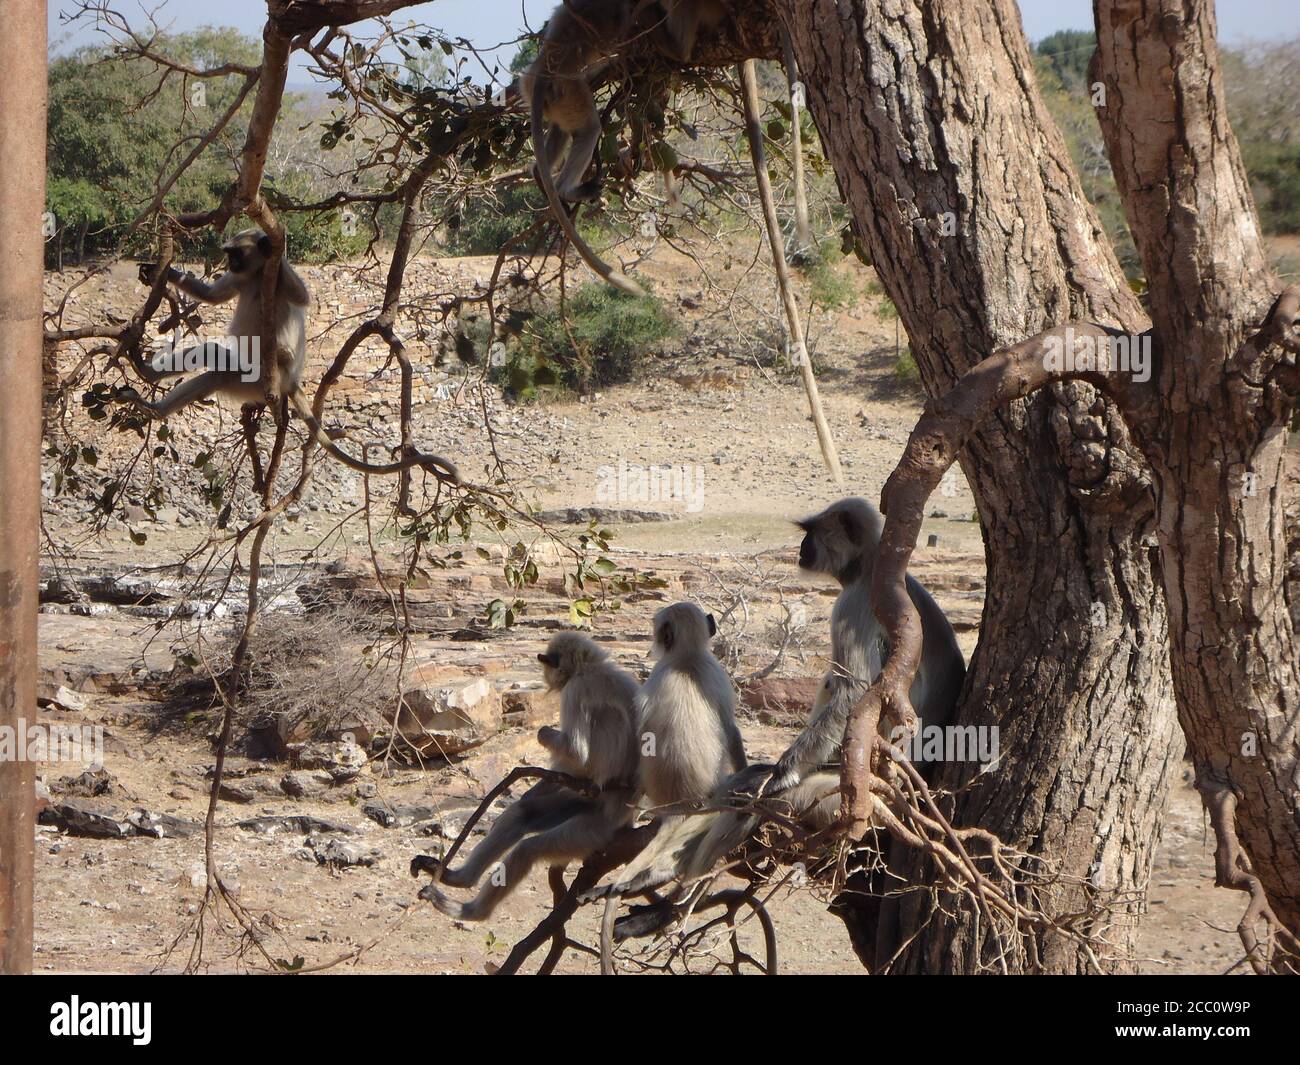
(906, 372)
(603, 338)
(1274, 171)
(827, 286)
(486, 221)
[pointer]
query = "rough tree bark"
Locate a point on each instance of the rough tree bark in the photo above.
(1216, 441)
(962, 189)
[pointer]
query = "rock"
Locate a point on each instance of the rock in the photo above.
(58, 697)
(781, 695)
(147, 823)
(528, 707)
(275, 736)
(339, 855)
(602, 516)
(62, 589)
(343, 760)
(89, 785)
(391, 816)
(83, 819)
(240, 791)
(41, 800)
(448, 718)
(299, 823)
(301, 783)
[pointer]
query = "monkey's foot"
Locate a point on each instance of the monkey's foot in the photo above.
(458, 911)
(642, 921)
(587, 192)
(783, 778)
(425, 863)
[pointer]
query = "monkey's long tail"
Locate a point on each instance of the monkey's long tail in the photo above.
(668, 854)
(435, 464)
(607, 273)
(690, 846)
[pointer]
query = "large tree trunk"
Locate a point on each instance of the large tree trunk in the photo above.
(1216, 442)
(963, 191)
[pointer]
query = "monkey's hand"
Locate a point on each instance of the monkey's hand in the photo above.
(551, 738)
(149, 272)
(785, 775)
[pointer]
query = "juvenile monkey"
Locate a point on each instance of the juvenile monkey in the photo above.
(246, 256)
(577, 43)
(686, 712)
(596, 741)
(246, 253)
(841, 541)
(690, 742)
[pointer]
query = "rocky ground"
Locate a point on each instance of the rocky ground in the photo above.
(315, 830)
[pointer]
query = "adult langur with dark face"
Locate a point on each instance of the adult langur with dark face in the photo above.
(841, 542)
(579, 40)
(236, 365)
(596, 741)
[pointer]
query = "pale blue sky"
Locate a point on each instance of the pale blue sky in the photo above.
(488, 22)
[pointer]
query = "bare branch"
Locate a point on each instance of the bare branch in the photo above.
(932, 448)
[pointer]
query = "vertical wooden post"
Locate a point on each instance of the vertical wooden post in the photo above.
(754, 130)
(22, 204)
(802, 228)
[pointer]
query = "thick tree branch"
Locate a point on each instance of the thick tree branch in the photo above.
(1179, 168)
(932, 448)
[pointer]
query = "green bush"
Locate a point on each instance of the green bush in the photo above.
(906, 372)
(486, 222)
(828, 286)
(1274, 170)
(603, 338)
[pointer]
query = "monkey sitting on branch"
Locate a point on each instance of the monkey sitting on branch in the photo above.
(236, 366)
(841, 542)
(595, 741)
(577, 44)
(690, 743)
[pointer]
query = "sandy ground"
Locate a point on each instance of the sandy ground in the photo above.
(741, 430)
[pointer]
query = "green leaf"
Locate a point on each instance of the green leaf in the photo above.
(580, 611)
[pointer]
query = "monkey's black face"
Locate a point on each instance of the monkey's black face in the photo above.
(808, 552)
(552, 674)
(247, 251)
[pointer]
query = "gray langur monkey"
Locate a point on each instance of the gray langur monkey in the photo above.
(686, 712)
(577, 43)
(247, 253)
(842, 541)
(596, 741)
(690, 744)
